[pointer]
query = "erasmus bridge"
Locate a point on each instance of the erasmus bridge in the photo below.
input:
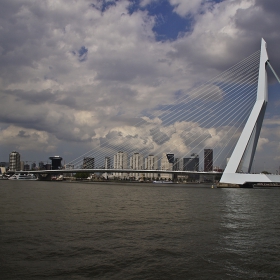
(210, 116)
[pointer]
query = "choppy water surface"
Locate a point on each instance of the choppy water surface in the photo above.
(59, 230)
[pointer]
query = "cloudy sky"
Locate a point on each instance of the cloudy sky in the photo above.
(77, 73)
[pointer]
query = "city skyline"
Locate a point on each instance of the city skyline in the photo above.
(75, 80)
(121, 160)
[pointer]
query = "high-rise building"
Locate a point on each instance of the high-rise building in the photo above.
(178, 164)
(3, 170)
(47, 166)
(88, 163)
(33, 166)
(56, 162)
(191, 163)
(136, 162)
(151, 163)
(22, 165)
(120, 162)
(14, 161)
(26, 167)
(107, 164)
(41, 165)
(4, 164)
(208, 160)
(167, 162)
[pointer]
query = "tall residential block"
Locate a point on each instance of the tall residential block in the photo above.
(107, 164)
(136, 162)
(208, 160)
(22, 165)
(14, 161)
(151, 163)
(120, 162)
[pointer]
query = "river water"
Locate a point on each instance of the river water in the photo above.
(60, 230)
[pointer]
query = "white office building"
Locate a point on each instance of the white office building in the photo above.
(151, 163)
(107, 164)
(136, 162)
(120, 162)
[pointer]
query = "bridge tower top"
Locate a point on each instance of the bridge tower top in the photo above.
(262, 81)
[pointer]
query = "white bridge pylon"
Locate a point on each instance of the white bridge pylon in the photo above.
(239, 166)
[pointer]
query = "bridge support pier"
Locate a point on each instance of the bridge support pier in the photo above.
(246, 185)
(45, 177)
(225, 185)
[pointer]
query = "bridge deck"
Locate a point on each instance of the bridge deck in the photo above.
(98, 170)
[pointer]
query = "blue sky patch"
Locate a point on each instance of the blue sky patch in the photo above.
(103, 5)
(169, 24)
(83, 51)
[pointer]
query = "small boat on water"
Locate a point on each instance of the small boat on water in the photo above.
(28, 177)
(59, 178)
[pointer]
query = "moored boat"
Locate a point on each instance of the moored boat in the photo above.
(18, 176)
